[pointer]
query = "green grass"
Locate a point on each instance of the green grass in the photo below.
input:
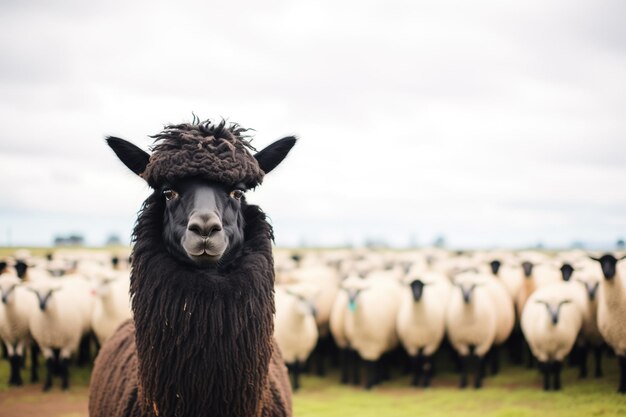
(79, 377)
(514, 393)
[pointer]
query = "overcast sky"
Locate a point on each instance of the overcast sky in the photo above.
(488, 122)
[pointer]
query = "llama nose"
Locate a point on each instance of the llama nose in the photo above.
(204, 224)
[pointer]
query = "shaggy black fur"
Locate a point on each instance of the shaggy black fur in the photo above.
(203, 336)
(220, 367)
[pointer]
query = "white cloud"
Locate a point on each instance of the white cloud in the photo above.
(487, 122)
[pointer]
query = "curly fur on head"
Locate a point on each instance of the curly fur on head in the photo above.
(215, 152)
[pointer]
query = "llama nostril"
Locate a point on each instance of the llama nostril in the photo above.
(195, 228)
(214, 228)
(204, 226)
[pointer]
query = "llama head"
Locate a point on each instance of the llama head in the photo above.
(199, 173)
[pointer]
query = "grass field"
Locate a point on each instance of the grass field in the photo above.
(514, 393)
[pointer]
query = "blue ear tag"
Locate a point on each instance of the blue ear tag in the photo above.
(352, 306)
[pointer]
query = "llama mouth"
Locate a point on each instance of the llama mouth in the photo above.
(205, 253)
(206, 258)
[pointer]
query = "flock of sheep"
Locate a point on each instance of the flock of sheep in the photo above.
(59, 304)
(371, 303)
(365, 303)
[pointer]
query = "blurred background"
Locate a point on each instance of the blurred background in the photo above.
(482, 124)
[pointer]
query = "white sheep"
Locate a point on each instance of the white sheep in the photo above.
(370, 323)
(15, 310)
(421, 320)
(295, 329)
(112, 306)
(612, 311)
(551, 321)
(337, 325)
(471, 322)
(505, 317)
(326, 279)
(63, 317)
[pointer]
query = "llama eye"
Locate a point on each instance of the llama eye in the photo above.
(169, 194)
(236, 194)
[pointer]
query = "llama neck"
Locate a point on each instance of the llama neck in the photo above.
(204, 338)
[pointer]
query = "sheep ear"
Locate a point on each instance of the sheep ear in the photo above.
(594, 258)
(135, 158)
(269, 157)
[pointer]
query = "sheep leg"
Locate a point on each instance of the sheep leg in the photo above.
(344, 357)
(622, 379)
(556, 369)
(383, 366)
(371, 373)
(544, 367)
(356, 368)
(514, 345)
(417, 369)
(84, 354)
(463, 369)
(34, 362)
(480, 372)
(428, 371)
(494, 358)
(597, 353)
(576, 355)
(531, 361)
(582, 358)
(65, 373)
(49, 371)
(322, 351)
(16, 364)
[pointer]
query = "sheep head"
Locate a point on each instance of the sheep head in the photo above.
(608, 263)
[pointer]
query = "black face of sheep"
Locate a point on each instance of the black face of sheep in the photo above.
(5, 294)
(417, 288)
(592, 289)
(495, 266)
(608, 263)
(43, 297)
(3, 266)
(353, 295)
(566, 271)
(20, 268)
(554, 310)
(528, 268)
(467, 290)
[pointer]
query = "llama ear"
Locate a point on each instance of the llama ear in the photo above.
(269, 157)
(135, 158)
